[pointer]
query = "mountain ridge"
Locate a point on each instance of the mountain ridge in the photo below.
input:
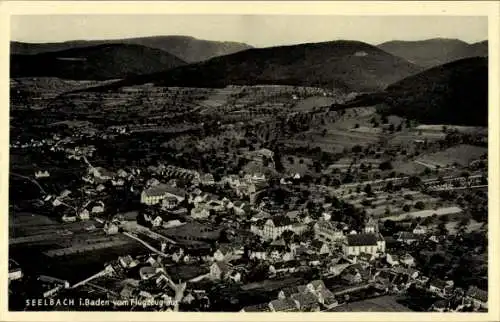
(352, 65)
(100, 62)
(187, 48)
(435, 51)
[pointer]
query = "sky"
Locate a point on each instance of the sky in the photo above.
(255, 30)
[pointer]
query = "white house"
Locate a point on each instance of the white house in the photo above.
(327, 231)
(84, 214)
(156, 194)
(420, 230)
(200, 213)
(272, 227)
(42, 174)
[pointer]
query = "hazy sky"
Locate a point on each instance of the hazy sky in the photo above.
(256, 30)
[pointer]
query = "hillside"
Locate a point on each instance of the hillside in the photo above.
(454, 93)
(94, 63)
(349, 65)
(433, 52)
(188, 49)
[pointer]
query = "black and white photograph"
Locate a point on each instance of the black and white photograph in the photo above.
(248, 163)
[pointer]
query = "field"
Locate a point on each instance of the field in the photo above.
(426, 213)
(462, 154)
(377, 304)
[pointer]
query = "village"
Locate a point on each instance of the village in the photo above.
(182, 239)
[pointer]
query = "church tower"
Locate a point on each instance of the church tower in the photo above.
(371, 225)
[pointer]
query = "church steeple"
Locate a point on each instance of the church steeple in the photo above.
(371, 225)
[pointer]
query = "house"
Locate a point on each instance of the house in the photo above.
(440, 306)
(284, 267)
(256, 308)
(98, 207)
(420, 230)
(223, 253)
(369, 243)
(406, 237)
(352, 277)
(306, 302)
(478, 297)
(42, 174)
(127, 261)
(287, 292)
(15, 271)
(110, 228)
(172, 223)
(365, 258)
(392, 260)
(207, 179)
(156, 194)
(258, 253)
(320, 247)
(327, 298)
(407, 260)
(328, 231)
(84, 214)
(439, 287)
(285, 305)
(219, 270)
(215, 205)
(170, 202)
(272, 228)
(337, 269)
(316, 286)
(409, 272)
(119, 182)
(200, 213)
(69, 218)
(239, 208)
(146, 272)
(157, 222)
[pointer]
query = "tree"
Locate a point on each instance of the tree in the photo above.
(442, 228)
(406, 208)
(413, 181)
(386, 165)
(419, 205)
(368, 189)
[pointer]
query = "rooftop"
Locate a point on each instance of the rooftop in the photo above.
(362, 240)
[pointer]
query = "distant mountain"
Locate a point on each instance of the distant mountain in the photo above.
(349, 65)
(433, 52)
(109, 61)
(453, 93)
(188, 49)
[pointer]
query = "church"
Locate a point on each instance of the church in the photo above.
(370, 241)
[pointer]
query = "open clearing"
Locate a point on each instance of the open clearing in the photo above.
(425, 213)
(461, 154)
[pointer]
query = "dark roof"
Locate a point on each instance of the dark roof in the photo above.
(317, 244)
(284, 305)
(318, 283)
(305, 299)
(161, 189)
(288, 291)
(281, 220)
(477, 293)
(438, 283)
(361, 239)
